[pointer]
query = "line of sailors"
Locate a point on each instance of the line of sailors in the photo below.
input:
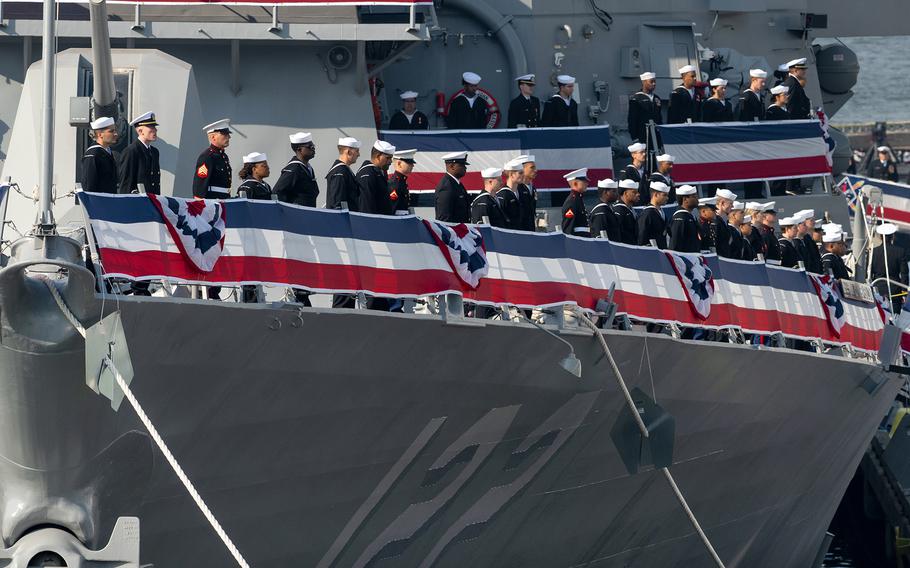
(470, 109)
(788, 100)
(687, 103)
(732, 229)
(721, 223)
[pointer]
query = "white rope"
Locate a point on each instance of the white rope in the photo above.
(644, 432)
(153, 432)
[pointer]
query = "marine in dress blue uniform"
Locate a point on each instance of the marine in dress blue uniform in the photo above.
(212, 179)
(574, 214)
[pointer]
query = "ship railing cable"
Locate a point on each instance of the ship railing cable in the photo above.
(644, 432)
(153, 432)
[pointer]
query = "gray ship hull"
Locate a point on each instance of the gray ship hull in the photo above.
(355, 438)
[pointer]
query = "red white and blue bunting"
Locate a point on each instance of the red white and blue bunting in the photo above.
(196, 225)
(330, 251)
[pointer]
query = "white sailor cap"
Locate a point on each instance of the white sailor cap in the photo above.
(456, 157)
(580, 173)
(300, 137)
(726, 194)
(660, 186)
(746, 219)
(754, 205)
(647, 76)
(529, 78)
(801, 63)
(758, 73)
(470, 78)
(886, 229)
(782, 67)
(625, 184)
(666, 158)
(490, 173)
(102, 122)
(883, 149)
(718, 82)
(806, 213)
(144, 119)
(780, 90)
(513, 165)
(637, 147)
(408, 95)
(788, 221)
(708, 202)
(349, 142)
(526, 158)
(384, 147)
(405, 155)
(832, 227)
(687, 69)
(800, 216)
(218, 126)
(607, 184)
(833, 237)
(686, 190)
(769, 207)
(738, 206)
(565, 79)
(254, 158)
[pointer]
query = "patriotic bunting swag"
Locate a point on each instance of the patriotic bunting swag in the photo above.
(463, 248)
(696, 279)
(197, 227)
(826, 288)
(277, 244)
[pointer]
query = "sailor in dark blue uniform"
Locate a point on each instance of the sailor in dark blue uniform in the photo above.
(725, 200)
(684, 105)
(789, 257)
(574, 214)
(799, 104)
(644, 106)
(468, 110)
(408, 117)
(717, 108)
(139, 162)
(487, 205)
(810, 247)
(835, 249)
(341, 183)
(253, 173)
(561, 109)
(509, 196)
(683, 227)
(737, 241)
(745, 229)
(213, 168)
(297, 181)
(750, 106)
(625, 215)
(637, 171)
(399, 194)
(524, 110)
(373, 178)
(778, 109)
(664, 169)
(527, 194)
(603, 219)
(652, 224)
(99, 169)
(452, 201)
(884, 167)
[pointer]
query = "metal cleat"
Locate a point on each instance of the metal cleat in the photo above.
(56, 547)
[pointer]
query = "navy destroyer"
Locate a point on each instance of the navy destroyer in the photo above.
(319, 437)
